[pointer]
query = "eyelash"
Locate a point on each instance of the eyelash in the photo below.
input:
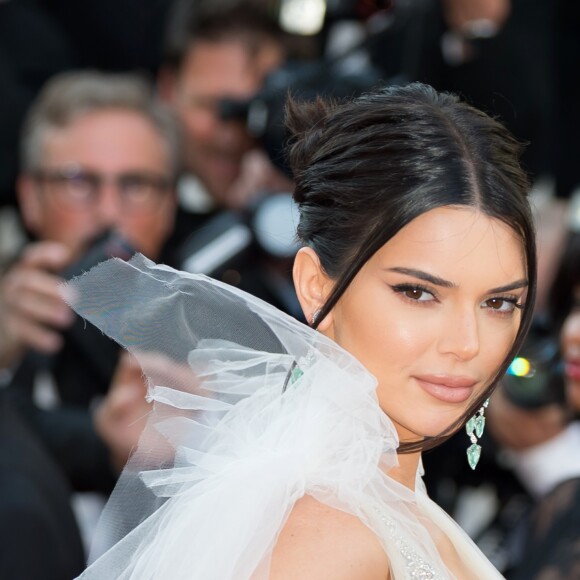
(402, 288)
(510, 300)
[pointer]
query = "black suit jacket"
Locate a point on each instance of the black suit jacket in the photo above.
(39, 537)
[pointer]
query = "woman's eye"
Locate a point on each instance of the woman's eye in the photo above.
(414, 293)
(417, 294)
(501, 304)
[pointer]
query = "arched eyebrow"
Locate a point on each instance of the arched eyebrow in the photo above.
(424, 276)
(523, 283)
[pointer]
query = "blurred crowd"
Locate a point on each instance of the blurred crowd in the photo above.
(155, 126)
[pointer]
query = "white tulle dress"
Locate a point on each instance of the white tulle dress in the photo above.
(252, 410)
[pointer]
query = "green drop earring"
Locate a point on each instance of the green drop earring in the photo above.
(474, 428)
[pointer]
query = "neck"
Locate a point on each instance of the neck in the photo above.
(406, 472)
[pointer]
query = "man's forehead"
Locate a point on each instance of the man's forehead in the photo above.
(262, 53)
(227, 68)
(113, 135)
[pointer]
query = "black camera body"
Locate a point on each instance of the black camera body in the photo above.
(535, 378)
(263, 114)
(109, 244)
(85, 338)
(87, 360)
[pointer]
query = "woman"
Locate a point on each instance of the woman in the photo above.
(277, 451)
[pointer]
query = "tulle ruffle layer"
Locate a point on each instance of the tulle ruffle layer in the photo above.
(251, 411)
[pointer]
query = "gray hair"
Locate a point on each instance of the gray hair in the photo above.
(72, 94)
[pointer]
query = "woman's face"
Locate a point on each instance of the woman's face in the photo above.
(570, 338)
(433, 314)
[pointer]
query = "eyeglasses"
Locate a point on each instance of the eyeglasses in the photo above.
(79, 189)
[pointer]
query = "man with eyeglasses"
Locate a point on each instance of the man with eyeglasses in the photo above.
(99, 155)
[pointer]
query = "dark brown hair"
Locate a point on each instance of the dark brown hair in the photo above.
(365, 168)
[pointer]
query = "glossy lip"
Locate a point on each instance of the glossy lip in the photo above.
(447, 388)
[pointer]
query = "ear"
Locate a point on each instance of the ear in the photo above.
(312, 285)
(30, 203)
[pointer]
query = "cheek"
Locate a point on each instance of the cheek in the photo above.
(571, 331)
(199, 124)
(72, 229)
(387, 341)
(147, 233)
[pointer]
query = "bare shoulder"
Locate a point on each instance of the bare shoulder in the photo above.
(319, 542)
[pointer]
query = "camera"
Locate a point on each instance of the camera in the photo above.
(348, 74)
(263, 114)
(84, 344)
(108, 244)
(535, 377)
(251, 248)
(85, 338)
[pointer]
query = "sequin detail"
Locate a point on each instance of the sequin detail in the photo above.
(415, 566)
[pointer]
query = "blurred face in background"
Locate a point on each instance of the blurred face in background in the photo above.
(570, 339)
(212, 71)
(108, 169)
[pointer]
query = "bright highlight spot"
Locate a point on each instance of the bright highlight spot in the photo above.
(520, 367)
(304, 17)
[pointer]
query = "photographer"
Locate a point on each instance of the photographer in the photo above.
(228, 67)
(219, 50)
(98, 155)
(537, 422)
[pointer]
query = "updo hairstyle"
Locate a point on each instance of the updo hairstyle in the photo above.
(365, 168)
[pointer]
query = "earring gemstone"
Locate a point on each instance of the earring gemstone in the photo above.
(470, 426)
(473, 455)
(474, 428)
(479, 426)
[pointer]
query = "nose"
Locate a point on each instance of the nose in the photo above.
(109, 210)
(460, 335)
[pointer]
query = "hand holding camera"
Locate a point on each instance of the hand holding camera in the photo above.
(33, 314)
(34, 317)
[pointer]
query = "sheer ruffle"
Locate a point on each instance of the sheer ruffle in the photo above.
(251, 411)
